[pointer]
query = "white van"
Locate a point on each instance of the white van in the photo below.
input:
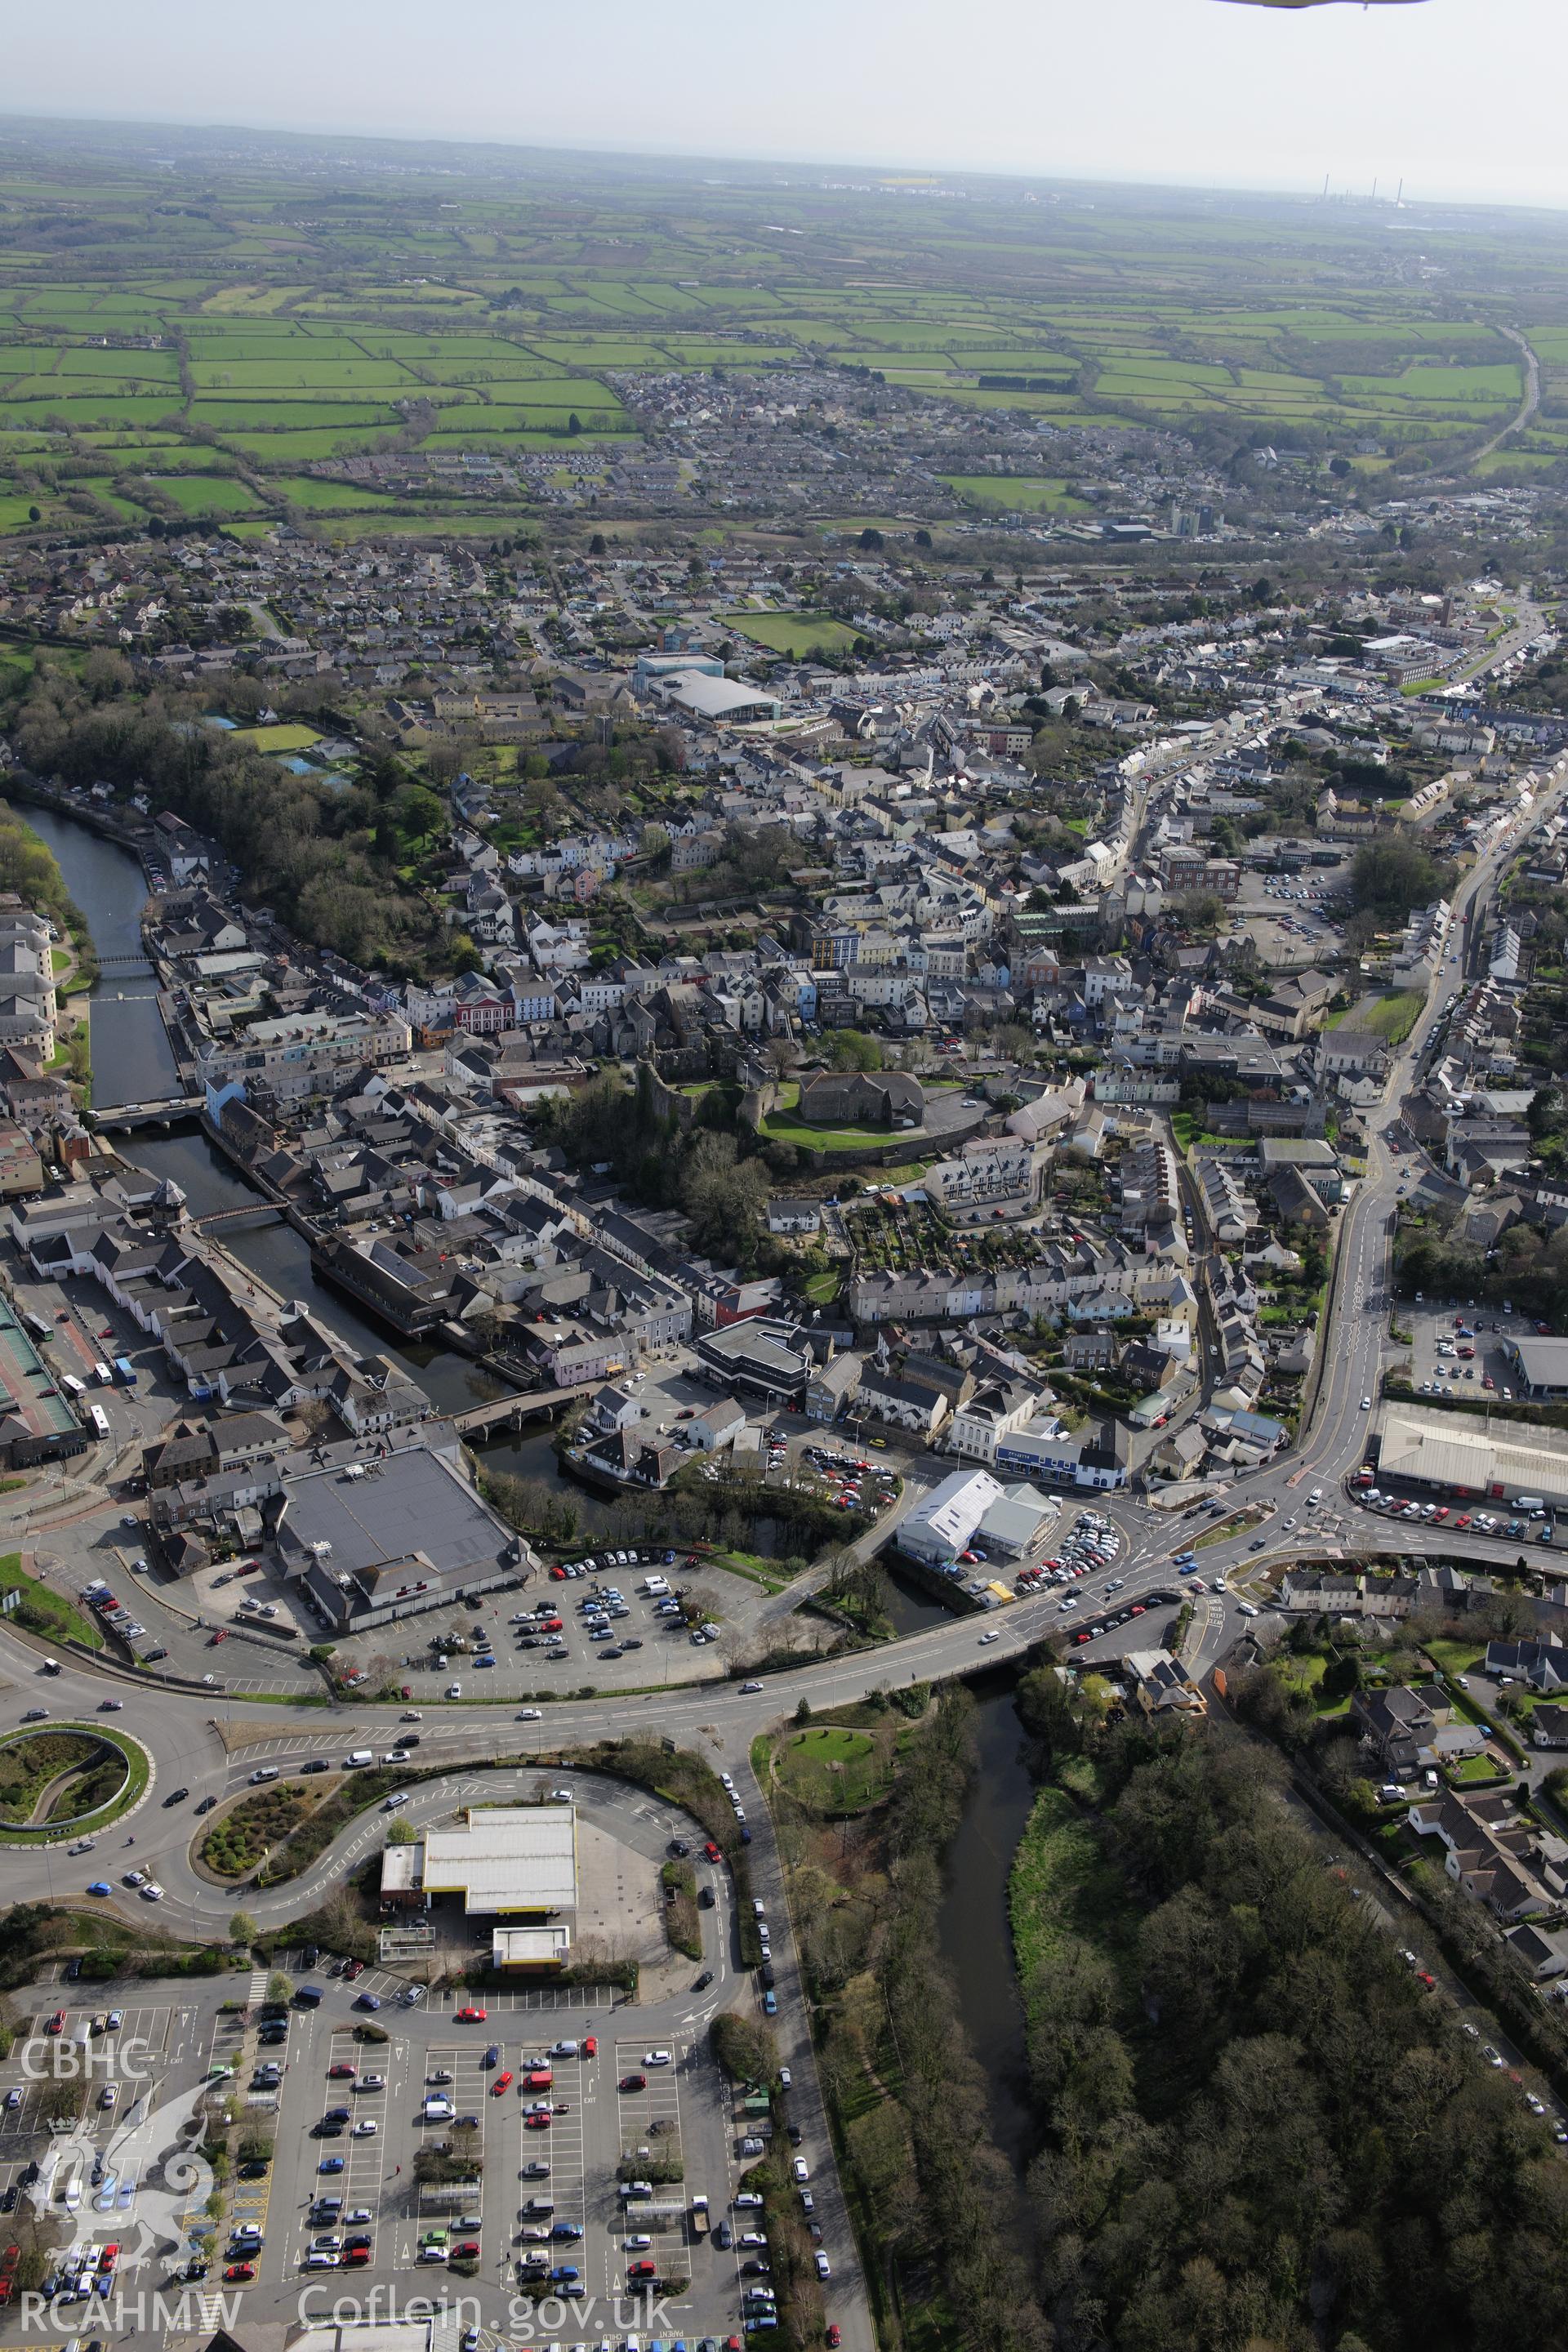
(358, 1756)
(656, 1587)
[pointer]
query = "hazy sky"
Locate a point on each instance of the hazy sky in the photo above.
(1459, 96)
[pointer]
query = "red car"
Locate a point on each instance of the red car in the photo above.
(237, 2273)
(468, 2252)
(559, 1574)
(57, 2024)
(501, 2079)
(470, 2016)
(642, 2269)
(632, 2083)
(712, 1853)
(341, 2073)
(355, 2258)
(834, 2335)
(551, 1625)
(536, 2120)
(539, 2079)
(355, 1969)
(590, 2046)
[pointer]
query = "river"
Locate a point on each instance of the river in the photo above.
(972, 1926)
(132, 1059)
(132, 1062)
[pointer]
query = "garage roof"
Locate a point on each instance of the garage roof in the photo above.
(507, 1858)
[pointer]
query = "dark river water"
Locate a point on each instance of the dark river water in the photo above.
(131, 1058)
(132, 1062)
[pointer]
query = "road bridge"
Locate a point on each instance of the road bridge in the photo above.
(510, 1411)
(126, 1117)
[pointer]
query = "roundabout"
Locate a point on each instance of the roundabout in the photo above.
(67, 1780)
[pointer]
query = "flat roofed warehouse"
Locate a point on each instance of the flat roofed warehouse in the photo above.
(509, 1861)
(1497, 1459)
(1542, 1365)
(392, 1534)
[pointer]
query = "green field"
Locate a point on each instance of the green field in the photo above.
(1016, 494)
(281, 737)
(326, 498)
(794, 635)
(1393, 1016)
(218, 494)
(294, 312)
(832, 1769)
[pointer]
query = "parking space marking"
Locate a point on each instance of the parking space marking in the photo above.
(649, 2119)
(467, 2096)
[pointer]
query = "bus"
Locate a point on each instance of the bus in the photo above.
(125, 1371)
(36, 1325)
(100, 1420)
(103, 1376)
(72, 1386)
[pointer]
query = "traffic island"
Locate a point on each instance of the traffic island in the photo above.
(80, 1776)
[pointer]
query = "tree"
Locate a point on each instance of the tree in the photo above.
(598, 544)
(744, 2047)
(723, 1196)
(1390, 877)
(402, 1834)
(242, 1929)
(871, 539)
(422, 815)
(655, 844)
(851, 1049)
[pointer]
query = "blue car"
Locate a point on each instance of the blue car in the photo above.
(100, 1886)
(565, 2274)
(566, 2230)
(331, 2164)
(770, 2004)
(368, 2000)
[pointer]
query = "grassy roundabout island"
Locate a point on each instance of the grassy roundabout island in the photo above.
(61, 1779)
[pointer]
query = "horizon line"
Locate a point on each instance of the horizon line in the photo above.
(1018, 175)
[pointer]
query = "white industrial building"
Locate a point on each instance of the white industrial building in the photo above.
(943, 1524)
(506, 1862)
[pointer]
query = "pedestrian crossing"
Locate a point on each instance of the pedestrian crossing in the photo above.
(256, 1992)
